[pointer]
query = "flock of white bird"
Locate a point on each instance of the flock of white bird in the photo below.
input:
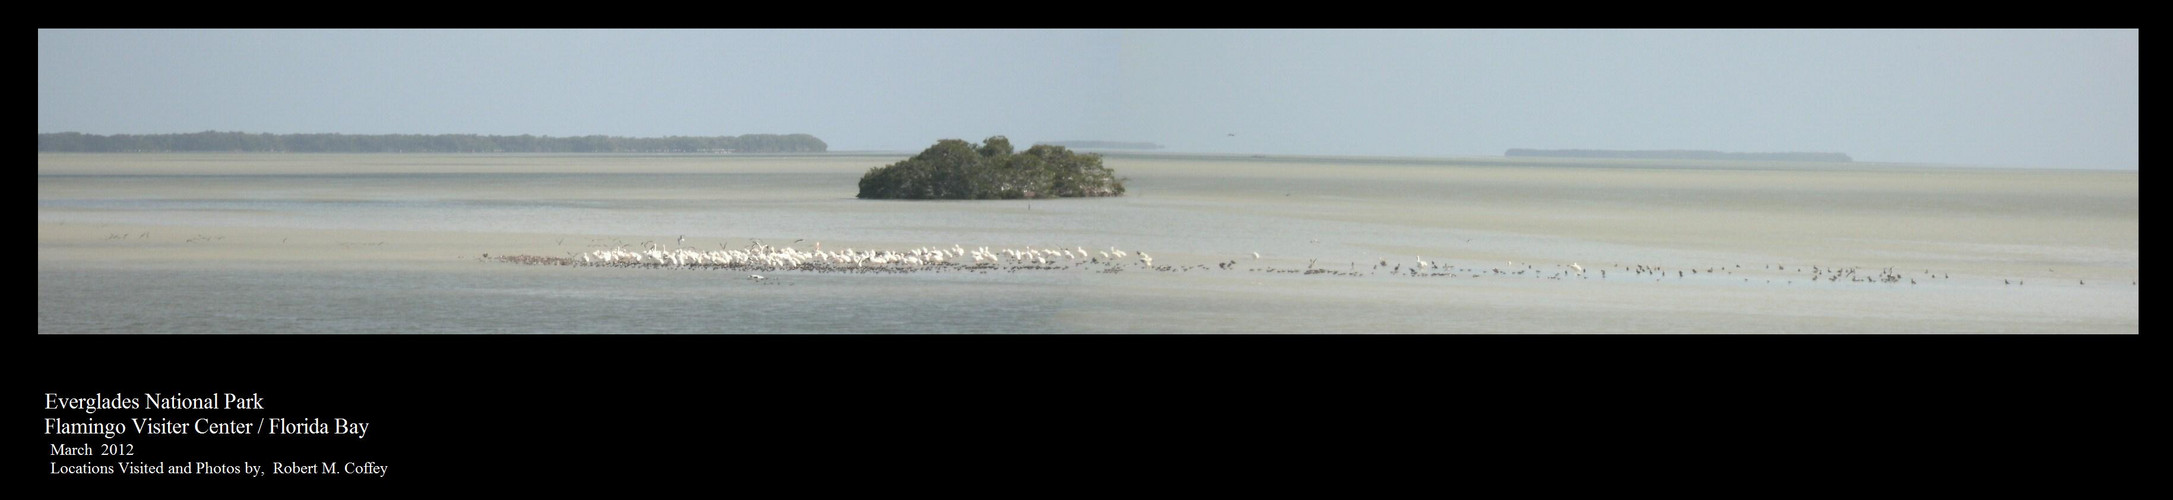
(760, 257)
(765, 256)
(757, 256)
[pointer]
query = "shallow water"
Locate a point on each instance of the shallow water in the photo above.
(392, 243)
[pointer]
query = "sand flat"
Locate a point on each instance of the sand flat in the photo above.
(2073, 236)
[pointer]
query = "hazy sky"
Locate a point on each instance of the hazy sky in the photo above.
(2038, 98)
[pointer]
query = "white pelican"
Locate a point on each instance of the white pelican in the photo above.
(1256, 256)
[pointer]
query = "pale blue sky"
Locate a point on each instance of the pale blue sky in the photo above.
(2035, 98)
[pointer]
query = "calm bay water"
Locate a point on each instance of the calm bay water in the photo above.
(392, 243)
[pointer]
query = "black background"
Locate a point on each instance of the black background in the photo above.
(543, 411)
(922, 413)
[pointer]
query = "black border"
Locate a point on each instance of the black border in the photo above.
(537, 412)
(531, 412)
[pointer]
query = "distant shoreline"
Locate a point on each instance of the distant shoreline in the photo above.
(1103, 144)
(1676, 154)
(1481, 160)
(240, 142)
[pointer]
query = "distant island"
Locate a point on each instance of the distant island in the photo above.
(1676, 154)
(1102, 144)
(214, 141)
(954, 169)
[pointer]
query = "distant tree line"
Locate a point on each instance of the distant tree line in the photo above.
(213, 141)
(1678, 154)
(954, 169)
(1103, 144)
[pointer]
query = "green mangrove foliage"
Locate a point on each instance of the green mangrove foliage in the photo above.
(954, 169)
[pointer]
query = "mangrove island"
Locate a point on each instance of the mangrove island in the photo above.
(954, 169)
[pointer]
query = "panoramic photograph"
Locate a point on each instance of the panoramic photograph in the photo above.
(998, 181)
